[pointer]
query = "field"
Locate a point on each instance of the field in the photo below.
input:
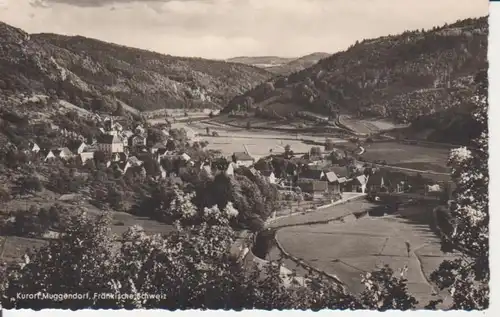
(408, 156)
(325, 214)
(356, 246)
(258, 142)
(367, 126)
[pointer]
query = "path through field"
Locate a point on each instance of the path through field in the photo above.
(348, 249)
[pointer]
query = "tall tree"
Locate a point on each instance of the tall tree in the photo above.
(467, 277)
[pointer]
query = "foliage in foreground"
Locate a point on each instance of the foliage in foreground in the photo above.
(467, 277)
(190, 268)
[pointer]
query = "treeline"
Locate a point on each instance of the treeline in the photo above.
(381, 77)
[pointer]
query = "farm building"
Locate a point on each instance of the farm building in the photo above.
(357, 184)
(243, 159)
(333, 182)
(314, 187)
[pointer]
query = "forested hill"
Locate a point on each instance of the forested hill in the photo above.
(79, 69)
(400, 77)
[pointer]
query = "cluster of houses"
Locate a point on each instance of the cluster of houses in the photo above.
(317, 177)
(313, 174)
(123, 147)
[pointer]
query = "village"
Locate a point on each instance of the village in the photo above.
(323, 174)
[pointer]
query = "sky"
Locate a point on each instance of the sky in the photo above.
(227, 28)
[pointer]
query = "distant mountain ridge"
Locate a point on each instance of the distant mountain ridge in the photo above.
(81, 70)
(281, 65)
(400, 77)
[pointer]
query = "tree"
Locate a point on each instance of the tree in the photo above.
(208, 130)
(315, 151)
(155, 136)
(29, 184)
(385, 291)
(329, 145)
(467, 277)
(119, 109)
(5, 194)
(189, 268)
(248, 126)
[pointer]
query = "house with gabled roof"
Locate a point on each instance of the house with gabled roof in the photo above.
(333, 182)
(108, 143)
(33, 147)
(46, 154)
(86, 156)
(314, 187)
(358, 183)
(243, 159)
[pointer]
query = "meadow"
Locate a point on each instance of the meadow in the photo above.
(258, 142)
(408, 156)
(367, 126)
(350, 248)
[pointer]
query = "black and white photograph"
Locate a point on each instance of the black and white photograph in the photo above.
(244, 155)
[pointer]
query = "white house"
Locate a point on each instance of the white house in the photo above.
(33, 147)
(230, 170)
(47, 155)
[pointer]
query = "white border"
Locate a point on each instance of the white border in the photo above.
(494, 115)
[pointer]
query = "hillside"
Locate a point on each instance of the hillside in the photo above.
(298, 64)
(94, 74)
(280, 65)
(400, 77)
